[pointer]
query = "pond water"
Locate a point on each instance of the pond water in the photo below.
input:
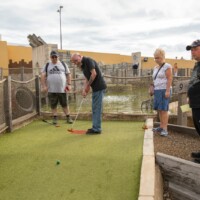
(127, 100)
(114, 102)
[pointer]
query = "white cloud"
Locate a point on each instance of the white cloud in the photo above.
(117, 26)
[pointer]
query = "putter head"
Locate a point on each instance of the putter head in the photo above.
(74, 131)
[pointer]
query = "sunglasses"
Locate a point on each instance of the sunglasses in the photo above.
(54, 57)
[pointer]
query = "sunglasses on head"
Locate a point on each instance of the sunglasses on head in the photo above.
(54, 57)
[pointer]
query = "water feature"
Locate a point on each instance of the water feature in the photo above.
(117, 99)
(128, 101)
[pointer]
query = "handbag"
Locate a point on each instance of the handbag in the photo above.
(151, 87)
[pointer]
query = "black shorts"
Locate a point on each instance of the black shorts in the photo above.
(54, 98)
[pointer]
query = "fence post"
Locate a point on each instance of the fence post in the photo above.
(117, 75)
(37, 93)
(121, 75)
(22, 73)
(1, 73)
(8, 105)
(182, 117)
(125, 75)
(105, 72)
(113, 74)
(180, 87)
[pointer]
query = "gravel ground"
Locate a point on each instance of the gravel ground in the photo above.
(176, 144)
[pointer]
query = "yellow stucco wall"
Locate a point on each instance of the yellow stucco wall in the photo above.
(106, 58)
(181, 63)
(3, 54)
(13, 54)
(17, 53)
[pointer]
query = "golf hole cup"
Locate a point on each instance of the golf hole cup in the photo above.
(58, 162)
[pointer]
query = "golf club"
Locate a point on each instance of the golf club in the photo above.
(56, 125)
(78, 131)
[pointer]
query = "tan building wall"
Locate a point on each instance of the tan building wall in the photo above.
(180, 62)
(16, 56)
(108, 58)
(18, 53)
(105, 58)
(4, 55)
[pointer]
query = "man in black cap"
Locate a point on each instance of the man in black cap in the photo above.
(56, 80)
(194, 91)
(135, 69)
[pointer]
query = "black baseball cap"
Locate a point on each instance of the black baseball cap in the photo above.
(53, 53)
(196, 43)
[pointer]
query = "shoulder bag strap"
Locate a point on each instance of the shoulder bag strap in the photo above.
(158, 71)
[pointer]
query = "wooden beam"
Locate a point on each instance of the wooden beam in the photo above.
(183, 176)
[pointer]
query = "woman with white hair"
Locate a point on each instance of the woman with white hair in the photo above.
(162, 79)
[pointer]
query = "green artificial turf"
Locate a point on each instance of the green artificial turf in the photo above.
(42, 162)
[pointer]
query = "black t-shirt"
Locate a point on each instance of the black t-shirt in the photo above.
(194, 87)
(135, 66)
(87, 65)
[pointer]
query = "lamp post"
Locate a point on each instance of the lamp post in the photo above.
(59, 10)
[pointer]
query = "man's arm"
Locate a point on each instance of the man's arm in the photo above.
(89, 82)
(68, 87)
(44, 82)
(92, 77)
(69, 79)
(169, 82)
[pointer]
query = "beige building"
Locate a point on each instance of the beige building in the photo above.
(13, 56)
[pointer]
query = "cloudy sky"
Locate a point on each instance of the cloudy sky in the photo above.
(113, 26)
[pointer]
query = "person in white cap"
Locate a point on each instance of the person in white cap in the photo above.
(194, 91)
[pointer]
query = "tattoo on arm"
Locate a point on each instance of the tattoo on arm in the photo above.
(92, 77)
(90, 80)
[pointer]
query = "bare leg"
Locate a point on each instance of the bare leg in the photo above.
(54, 111)
(164, 117)
(67, 114)
(66, 110)
(160, 117)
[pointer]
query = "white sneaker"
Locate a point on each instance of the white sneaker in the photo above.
(163, 133)
(158, 129)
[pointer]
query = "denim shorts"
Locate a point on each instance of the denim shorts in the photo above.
(160, 102)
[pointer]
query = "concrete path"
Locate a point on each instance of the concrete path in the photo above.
(149, 171)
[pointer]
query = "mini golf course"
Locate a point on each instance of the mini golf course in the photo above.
(44, 162)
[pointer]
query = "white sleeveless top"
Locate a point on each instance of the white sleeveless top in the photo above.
(161, 80)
